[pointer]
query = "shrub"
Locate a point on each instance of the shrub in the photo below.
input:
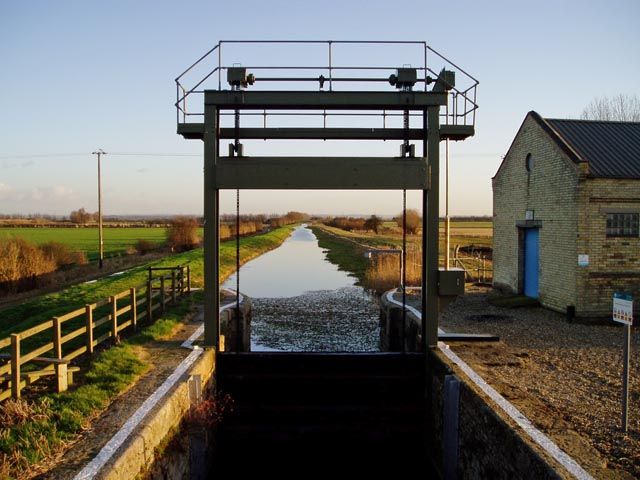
(182, 234)
(60, 254)
(21, 262)
(413, 221)
(144, 246)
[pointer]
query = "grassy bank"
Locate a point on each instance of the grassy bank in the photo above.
(348, 256)
(39, 309)
(32, 431)
(382, 272)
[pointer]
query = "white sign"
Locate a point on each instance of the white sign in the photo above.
(583, 260)
(622, 308)
(528, 215)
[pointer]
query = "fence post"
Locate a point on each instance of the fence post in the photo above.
(162, 294)
(134, 308)
(60, 368)
(88, 312)
(149, 279)
(114, 318)
(188, 279)
(181, 283)
(484, 273)
(173, 286)
(149, 302)
(15, 365)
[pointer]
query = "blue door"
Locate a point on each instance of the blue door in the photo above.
(531, 261)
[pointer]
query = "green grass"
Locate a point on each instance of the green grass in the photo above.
(34, 311)
(348, 256)
(55, 418)
(116, 240)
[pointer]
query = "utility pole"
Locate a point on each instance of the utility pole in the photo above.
(99, 153)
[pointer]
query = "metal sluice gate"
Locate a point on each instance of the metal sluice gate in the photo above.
(398, 91)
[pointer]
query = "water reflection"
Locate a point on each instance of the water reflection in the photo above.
(299, 265)
(302, 302)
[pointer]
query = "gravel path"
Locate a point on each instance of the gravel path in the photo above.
(566, 377)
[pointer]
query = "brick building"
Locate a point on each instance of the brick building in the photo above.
(566, 208)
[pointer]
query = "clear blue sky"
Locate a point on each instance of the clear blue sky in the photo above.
(81, 75)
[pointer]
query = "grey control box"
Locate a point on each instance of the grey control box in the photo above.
(450, 282)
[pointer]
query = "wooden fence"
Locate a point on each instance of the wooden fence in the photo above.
(49, 348)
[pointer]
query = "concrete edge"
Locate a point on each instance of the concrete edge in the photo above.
(548, 451)
(139, 452)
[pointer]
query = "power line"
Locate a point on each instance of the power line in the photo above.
(128, 154)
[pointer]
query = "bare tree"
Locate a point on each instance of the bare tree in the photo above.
(623, 108)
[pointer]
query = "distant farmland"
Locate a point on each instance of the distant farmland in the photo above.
(116, 240)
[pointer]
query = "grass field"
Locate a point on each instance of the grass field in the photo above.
(116, 240)
(38, 309)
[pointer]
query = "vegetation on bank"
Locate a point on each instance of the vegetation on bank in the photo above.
(348, 256)
(34, 430)
(38, 309)
(381, 272)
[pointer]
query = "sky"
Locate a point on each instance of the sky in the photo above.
(76, 76)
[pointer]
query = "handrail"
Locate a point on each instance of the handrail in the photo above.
(468, 91)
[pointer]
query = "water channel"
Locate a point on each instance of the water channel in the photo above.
(302, 302)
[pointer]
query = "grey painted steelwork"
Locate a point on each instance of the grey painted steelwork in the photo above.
(321, 173)
(211, 231)
(195, 131)
(450, 421)
(405, 172)
(304, 100)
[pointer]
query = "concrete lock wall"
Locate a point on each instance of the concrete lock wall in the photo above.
(394, 330)
(236, 335)
(470, 439)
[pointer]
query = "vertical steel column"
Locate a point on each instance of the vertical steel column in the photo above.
(211, 258)
(430, 229)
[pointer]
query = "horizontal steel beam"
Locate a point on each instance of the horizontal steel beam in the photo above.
(452, 132)
(321, 173)
(304, 100)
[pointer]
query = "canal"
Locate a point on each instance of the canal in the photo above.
(304, 303)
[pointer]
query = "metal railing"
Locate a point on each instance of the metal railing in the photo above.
(47, 349)
(461, 104)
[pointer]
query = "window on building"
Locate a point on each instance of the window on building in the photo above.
(528, 162)
(623, 224)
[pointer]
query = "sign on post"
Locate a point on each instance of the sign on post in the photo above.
(623, 313)
(622, 308)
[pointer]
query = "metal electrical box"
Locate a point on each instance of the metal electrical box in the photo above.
(237, 76)
(451, 282)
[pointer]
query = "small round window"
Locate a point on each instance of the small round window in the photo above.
(529, 162)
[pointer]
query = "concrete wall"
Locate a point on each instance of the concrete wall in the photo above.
(614, 262)
(234, 335)
(550, 189)
(488, 446)
(392, 332)
(141, 451)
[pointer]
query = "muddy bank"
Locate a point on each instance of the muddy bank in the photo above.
(342, 320)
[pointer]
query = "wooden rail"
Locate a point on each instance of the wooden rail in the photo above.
(68, 336)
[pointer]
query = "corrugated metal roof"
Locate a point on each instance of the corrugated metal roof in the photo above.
(612, 149)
